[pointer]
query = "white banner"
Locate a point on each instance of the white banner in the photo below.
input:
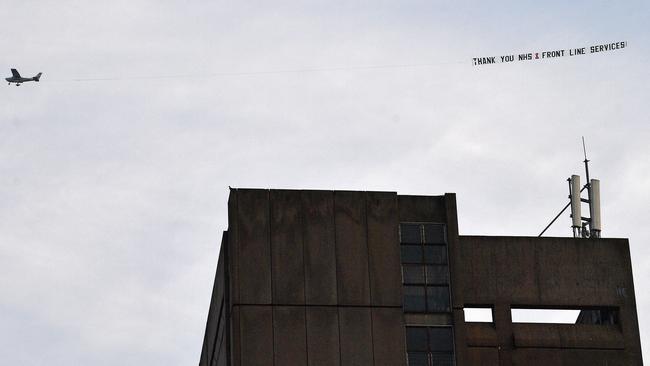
(543, 55)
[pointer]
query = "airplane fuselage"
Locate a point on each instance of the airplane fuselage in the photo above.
(19, 80)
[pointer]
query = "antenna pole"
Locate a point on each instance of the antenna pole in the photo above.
(593, 191)
(584, 149)
(558, 215)
(555, 218)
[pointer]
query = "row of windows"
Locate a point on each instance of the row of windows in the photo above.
(425, 276)
(422, 234)
(426, 299)
(430, 346)
(416, 274)
(425, 271)
(435, 254)
(430, 359)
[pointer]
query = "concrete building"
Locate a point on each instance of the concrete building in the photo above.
(324, 278)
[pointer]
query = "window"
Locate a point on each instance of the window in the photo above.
(605, 316)
(437, 275)
(414, 299)
(434, 234)
(425, 269)
(411, 253)
(595, 316)
(425, 278)
(410, 233)
(435, 254)
(413, 274)
(438, 299)
(430, 346)
(478, 315)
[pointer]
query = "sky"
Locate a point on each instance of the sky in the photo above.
(113, 192)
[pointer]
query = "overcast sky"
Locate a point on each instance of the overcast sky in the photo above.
(113, 193)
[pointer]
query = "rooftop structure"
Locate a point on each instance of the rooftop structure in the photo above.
(324, 278)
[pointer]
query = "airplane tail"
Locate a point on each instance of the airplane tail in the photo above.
(38, 76)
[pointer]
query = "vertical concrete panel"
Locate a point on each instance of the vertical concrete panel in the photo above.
(515, 263)
(210, 329)
(388, 337)
(256, 326)
(356, 336)
(222, 356)
(220, 278)
(235, 337)
(550, 256)
(460, 336)
(253, 247)
(221, 360)
(214, 323)
(628, 313)
(351, 248)
(286, 247)
(455, 257)
(503, 324)
(204, 360)
(289, 334)
(480, 271)
(319, 247)
(383, 249)
(323, 336)
(233, 247)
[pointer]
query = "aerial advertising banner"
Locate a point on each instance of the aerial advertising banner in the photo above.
(547, 54)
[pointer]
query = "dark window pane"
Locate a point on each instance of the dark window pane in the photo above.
(442, 359)
(418, 359)
(608, 317)
(441, 339)
(413, 274)
(437, 275)
(410, 234)
(434, 234)
(416, 339)
(438, 299)
(435, 254)
(411, 253)
(597, 316)
(414, 299)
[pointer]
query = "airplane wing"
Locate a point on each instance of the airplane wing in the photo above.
(15, 73)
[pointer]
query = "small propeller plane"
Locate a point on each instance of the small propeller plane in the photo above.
(17, 79)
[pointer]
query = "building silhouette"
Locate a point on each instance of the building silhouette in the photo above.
(324, 278)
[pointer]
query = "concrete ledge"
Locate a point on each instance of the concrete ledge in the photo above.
(567, 336)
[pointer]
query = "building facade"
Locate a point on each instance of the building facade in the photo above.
(324, 278)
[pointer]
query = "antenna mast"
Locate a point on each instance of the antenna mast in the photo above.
(584, 149)
(585, 227)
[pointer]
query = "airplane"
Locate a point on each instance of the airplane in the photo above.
(17, 79)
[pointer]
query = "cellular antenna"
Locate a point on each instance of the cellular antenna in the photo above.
(585, 227)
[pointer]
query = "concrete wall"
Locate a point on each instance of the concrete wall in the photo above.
(215, 341)
(315, 278)
(502, 272)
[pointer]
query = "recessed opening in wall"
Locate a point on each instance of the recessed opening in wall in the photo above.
(598, 316)
(550, 316)
(478, 315)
